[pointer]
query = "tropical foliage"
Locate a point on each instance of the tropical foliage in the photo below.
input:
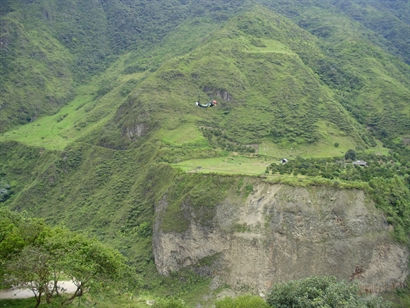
(38, 257)
(97, 108)
(320, 292)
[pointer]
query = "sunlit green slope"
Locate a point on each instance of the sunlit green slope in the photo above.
(96, 101)
(49, 47)
(262, 69)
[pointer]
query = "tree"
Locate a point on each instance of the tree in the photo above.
(90, 264)
(350, 155)
(5, 191)
(36, 256)
(12, 239)
(31, 269)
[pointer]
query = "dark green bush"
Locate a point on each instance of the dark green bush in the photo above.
(320, 292)
(5, 191)
(350, 155)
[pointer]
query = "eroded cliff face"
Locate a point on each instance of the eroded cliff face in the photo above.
(279, 233)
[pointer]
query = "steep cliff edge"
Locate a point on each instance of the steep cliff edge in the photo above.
(278, 233)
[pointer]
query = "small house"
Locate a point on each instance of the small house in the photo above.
(360, 163)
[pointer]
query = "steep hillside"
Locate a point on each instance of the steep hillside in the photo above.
(116, 145)
(49, 47)
(45, 51)
(277, 84)
(276, 96)
(386, 23)
(370, 83)
(96, 101)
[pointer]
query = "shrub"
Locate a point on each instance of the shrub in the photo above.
(5, 191)
(350, 155)
(320, 292)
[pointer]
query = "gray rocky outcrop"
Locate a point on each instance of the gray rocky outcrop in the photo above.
(279, 233)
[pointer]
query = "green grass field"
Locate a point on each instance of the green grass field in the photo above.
(184, 134)
(226, 165)
(86, 112)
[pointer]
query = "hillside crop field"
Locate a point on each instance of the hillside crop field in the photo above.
(100, 133)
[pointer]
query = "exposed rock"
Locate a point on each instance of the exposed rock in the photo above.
(279, 233)
(221, 93)
(137, 130)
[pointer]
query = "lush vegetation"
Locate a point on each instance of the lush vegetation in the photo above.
(308, 292)
(320, 292)
(386, 177)
(366, 168)
(39, 257)
(50, 47)
(106, 92)
(5, 191)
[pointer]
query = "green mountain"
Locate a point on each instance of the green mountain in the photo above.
(261, 67)
(51, 47)
(99, 124)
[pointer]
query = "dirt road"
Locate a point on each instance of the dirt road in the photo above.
(17, 293)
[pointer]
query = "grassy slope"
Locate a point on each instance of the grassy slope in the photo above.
(290, 106)
(386, 23)
(42, 53)
(96, 101)
(49, 47)
(36, 75)
(358, 39)
(378, 89)
(389, 19)
(87, 111)
(90, 184)
(258, 67)
(107, 192)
